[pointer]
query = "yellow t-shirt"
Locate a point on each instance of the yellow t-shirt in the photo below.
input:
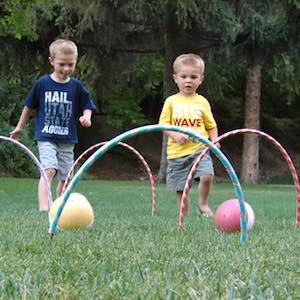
(189, 112)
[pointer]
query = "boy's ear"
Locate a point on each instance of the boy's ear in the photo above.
(174, 76)
(202, 78)
(50, 60)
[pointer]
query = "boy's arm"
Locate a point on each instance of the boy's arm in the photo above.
(26, 112)
(213, 135)
(85, 119)
(178, 137)
(165, 119)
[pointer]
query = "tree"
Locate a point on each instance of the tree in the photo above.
(16, 26)
(265, 33)
(16, 19)
(204, 19)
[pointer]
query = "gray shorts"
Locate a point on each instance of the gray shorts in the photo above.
(56, 156)
(179, 169)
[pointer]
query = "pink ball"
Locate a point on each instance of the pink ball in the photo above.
(227, 216)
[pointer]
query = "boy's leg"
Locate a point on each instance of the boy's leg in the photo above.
(47, 151)
(186, 210)
(43, 191)
(59, 188)
(204, 189)
(177, 172)
(65, 158)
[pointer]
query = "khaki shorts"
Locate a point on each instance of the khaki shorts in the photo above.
(56, 156)
(179, 169)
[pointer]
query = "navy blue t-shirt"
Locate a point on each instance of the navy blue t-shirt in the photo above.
(58, 107)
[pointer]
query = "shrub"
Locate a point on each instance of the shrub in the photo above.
(14, 161)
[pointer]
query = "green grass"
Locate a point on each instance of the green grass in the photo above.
(127, 254)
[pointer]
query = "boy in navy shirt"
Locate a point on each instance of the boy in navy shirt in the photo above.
(60, 101)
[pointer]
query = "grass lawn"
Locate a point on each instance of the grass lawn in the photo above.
(127, 254)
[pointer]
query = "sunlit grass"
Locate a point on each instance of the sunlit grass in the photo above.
(127, 254)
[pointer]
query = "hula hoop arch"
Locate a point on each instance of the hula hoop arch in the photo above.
(141, 130)
(35, 160)
(132, 149)
(239, 131)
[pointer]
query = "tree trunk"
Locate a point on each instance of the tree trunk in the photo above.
(169, 88)
(171, 51)
(162, 172)
(250, 160)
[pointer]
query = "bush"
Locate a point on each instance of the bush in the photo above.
(14, 161)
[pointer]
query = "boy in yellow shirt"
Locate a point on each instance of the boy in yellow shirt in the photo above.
(190, 110)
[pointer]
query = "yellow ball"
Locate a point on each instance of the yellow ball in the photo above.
(77, 212)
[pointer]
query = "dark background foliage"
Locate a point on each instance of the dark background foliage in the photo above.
(125, 54)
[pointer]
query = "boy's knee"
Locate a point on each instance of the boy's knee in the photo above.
(50, 173)
(206, 179)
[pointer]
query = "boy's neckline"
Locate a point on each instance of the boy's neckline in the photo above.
(187, 96)
(56, 81)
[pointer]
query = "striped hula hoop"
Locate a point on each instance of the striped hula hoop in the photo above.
(239, 131)
(35, 160)
(138, 154)
(142, 130)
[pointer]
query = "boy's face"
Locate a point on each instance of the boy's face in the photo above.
(63, 65)
(188, 78)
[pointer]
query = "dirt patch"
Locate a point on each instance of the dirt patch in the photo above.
(120, 162)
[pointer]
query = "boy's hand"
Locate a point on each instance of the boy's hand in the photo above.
(218, 145)
(85, 121)
(15, 134)
(180, 138)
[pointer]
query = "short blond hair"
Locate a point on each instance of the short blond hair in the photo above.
(64, 46)
(189, 59)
